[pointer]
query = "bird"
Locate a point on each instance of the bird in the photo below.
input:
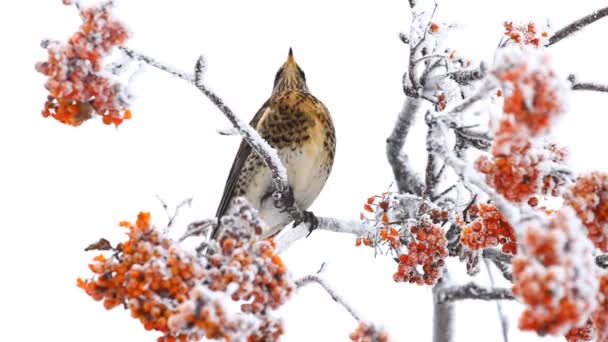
(300, 128)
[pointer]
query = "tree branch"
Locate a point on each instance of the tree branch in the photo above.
(249, 134)
(314, 278)
(443, 313)
(586, 85)
(407, 179)
(577, 25)
(501, 260)
(472, 291)
(504, 323)
(288, 237)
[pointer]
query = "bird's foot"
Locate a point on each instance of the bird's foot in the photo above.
(310, 218)
(284, 200)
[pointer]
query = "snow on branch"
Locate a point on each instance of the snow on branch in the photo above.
(586, 85)
(472, 291)
(315, 278)
(357, 228)
(408, 181)
(577, 25)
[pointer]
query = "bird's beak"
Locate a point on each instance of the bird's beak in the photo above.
(290, 58)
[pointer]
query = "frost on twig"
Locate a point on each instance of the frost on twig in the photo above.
(586, 85)
(577, 25)
(288, 237)
(472, 291)
(316, 278)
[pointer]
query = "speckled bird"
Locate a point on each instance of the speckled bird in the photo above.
(300, 128)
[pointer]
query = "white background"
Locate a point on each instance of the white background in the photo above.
(62, 188)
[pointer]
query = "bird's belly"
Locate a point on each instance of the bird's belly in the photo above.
(307, 172)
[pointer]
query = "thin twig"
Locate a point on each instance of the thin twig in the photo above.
(172, 216)
(472, 291)
(314, 278)
(504, 323)
(577, 25)
(586, 85)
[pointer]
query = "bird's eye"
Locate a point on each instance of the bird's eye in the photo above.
(278, 75)
(302, 74)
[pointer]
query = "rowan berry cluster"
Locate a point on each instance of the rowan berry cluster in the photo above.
(487, 228)
(418, 242)
(380, 213)
(183, 295)
(77, 84)
(525, 34)
(518, 167)
(366, 332)
(532, 96)
(596, 328)
(426, 248)
(555, 276)
(148, 273)
(589, 197)
(426, 251)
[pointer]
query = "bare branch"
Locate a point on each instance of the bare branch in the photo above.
(154, 63)
(501, 260)
(504, 323)
(472, 291)
(586, 85)
(407, 180)
(577, 25)
(468, 76)
(314, 278)
(443, 313)
(288, 237)
(430, 175)
(172, 216)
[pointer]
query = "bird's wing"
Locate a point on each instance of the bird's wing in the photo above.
(239, 160)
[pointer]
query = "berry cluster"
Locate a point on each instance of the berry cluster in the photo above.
(532, 93)
(76, 82)
(597, 326)
(555, 276)
(366, 332)
(418, 243)
(589, 197)
(581, 334)
(518, 169)
(427, 250)
(600, 315)
(182, 294)
(380, 213)
(488, 228)
(148, 273)
(532, 98)
(525, 34)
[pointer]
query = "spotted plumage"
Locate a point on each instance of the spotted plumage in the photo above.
(300, 128)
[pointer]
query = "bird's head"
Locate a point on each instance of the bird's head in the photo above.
(290, 76)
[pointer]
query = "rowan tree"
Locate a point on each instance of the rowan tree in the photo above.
(491, 167)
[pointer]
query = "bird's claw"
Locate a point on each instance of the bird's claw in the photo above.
(311, 219)
(285, 201)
